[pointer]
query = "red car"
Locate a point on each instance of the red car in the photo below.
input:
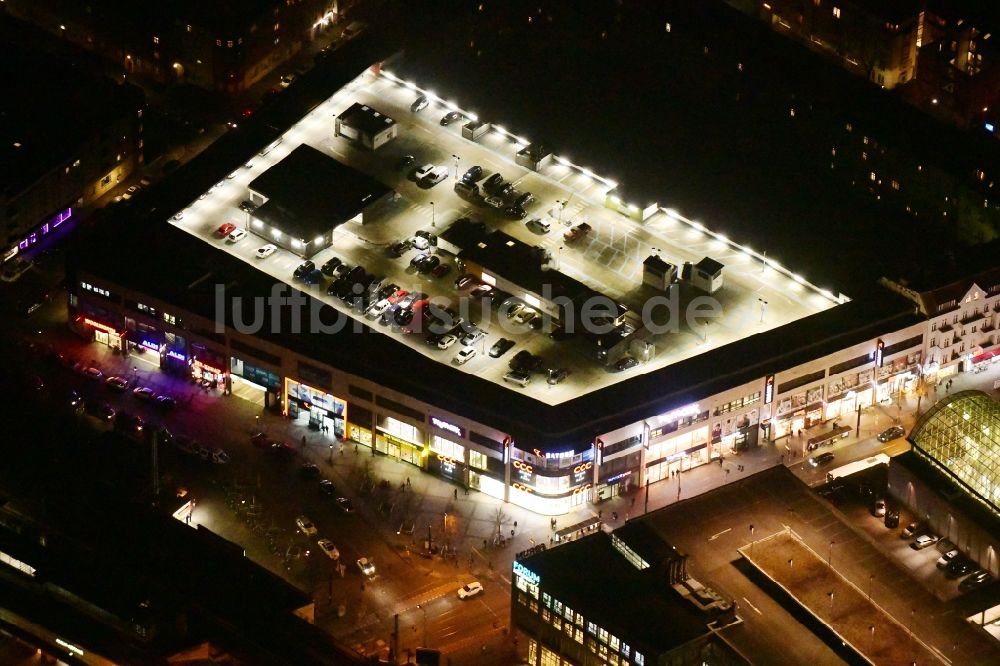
(399, 295)
(225, 230)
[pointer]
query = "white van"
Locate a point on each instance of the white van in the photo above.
(541, 225)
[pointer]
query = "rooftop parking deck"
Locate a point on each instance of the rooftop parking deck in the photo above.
(758, 294)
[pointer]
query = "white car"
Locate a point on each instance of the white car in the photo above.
(470, 590)
(237, 235)
(327, 547)
(424, 171)
(306, 526)
(524, 316)
(378, 309)
(434, 176)
(367, 567)
(286, 80)
(219, 457)
(266, 251)
(465, 355)
(447, 341)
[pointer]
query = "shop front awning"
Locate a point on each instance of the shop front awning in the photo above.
(985, 356)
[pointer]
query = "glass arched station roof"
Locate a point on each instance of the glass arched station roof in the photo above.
(961, 435)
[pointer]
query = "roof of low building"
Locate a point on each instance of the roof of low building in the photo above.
(366, 119)
(639, 607)
(710, 266)
(309, 192)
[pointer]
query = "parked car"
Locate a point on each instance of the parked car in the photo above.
(345, 505)
(405, 162)
(464, 280)
(579, 231)
(116, 383)
(366, 566)
(976, 579)
(419, 104)
(924, 541)
(946, 558)
(266, 251)
(471, 335)
(225, 229)
(451, 117)
(436, 175)
(328, 548)
(515, 212)
(306, 526)
(520, 377)
(428, 264)
(219, 457)
(473, 174)
(165, 402)
(330, 265)
(959, 567)
(626, 363)
(494, 201)
(447, 341)
(911, 529)
(822, 459)
(557, 375)
(490, 184)
(398, 249)
(236, 235)
(304, 269)
(892, 519)
(441, 270)
(470, 590)
(501, 347)
(327, 488)
(309, 471)
(524, 200)
(540, 225)
(891, 433)
(878, 508)
(465, 356)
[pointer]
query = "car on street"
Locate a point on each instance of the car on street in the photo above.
(116, 383)
(266, 251)
(924, 541)
(93, 373)
(494, 201)
(282, 450)
(328, 548)
(891, 433)
(100, 410)
(501, 347)
(286, 80)
(451, 117)
(74, 400)
(225, 229)
(878, 508)
(419, 104)
(330, 265)
(345, 505)
(441, 270)
(464, 280)
(911, 529)
(822, 459)
(946, 558)
(309, 471)
(129, 424)
(236, 235)
(626, 363)
(465, 356)
(366, 566)
(303, 269)
(219, 456)
(974, 580)
(306, 526)
(327, 488)
(470, 590)
(165, 402)
(959, 567)
(473, 174)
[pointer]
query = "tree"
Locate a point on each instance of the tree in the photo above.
(500, 520)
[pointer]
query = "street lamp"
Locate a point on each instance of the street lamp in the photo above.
(562, 205)
(455, 157)
(424, 611)
(830, 594)
(763, 308)
(433, 215)
(751, 539)
(829, 557)
(871, 646)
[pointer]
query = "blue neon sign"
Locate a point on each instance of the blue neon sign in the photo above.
(526, 573)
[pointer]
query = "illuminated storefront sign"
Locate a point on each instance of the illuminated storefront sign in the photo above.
(450, 427)
(177, 355)
(526, 573)
(525, 472)
(679, 413)
(580, 472)
(99, 326)
(448, 465)
(204, 367)
(616, 477)
(769, 390)
(150, 345)
(560, 454)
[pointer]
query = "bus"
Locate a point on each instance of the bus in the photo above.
(858, 466)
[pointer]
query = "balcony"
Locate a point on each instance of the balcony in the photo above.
(988, 326)
(944, 328)
(975, 316)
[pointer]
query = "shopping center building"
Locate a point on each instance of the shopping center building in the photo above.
(209, 309)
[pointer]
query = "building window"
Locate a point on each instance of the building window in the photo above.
(836, 14)
(218, 42)
(170, 319)
(446, 447)
(547, 599)
(229, 44)
(591, 628)
(639, 659)
(156, 40)
(188, 27)
(602, 635)
(477, 460)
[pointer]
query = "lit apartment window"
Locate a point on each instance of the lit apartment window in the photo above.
(156, 40)
(817, 2)
(229, 44)
(169, 318)
(872, 175)
(836, 12)
(188, 27)
(218, 42)
(895, 185)
(277, 26)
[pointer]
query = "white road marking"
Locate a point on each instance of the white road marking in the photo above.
(718, 534)
(752, 606)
